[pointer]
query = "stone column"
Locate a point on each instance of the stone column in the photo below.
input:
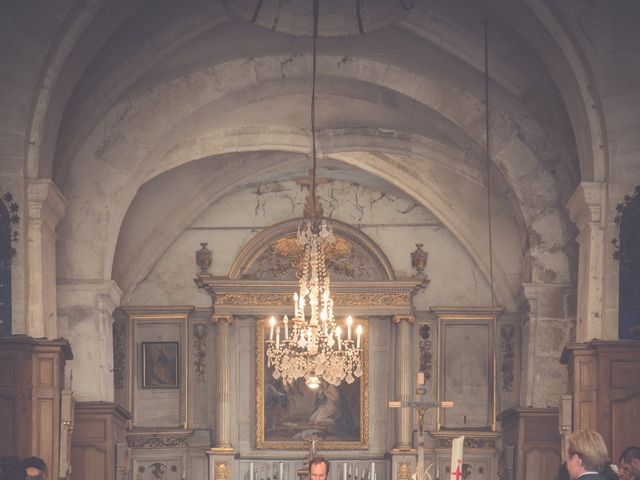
(222, 440)
(587, 210)
(45, 208)
(549, 316)
(85, 310)
(403, 380)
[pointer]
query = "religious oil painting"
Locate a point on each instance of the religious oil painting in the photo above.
(289, 414)
(160, 365)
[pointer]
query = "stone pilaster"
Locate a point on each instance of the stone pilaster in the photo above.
(222, 439)
(587, 210)
(403, 380)
(45, 208)
(85, 318)
(548, 321)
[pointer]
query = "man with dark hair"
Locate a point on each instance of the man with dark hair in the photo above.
(35, 468)
(630, 462)
(11, 468)
(318, 468)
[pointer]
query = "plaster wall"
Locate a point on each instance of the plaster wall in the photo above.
(395, 222)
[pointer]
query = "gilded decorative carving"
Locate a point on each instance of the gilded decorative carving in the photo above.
(424, 347)
(222, 471)
(200, 334)
(507, 349)
(282, 260)
(340, 299)
(156, 441)
(406, 318)
(10, 212)
(119, 355)
(469, 442)
(404, 471)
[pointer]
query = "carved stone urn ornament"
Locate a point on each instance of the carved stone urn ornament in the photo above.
(203, 258)
(419, 259)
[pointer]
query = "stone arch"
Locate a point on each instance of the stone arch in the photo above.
(358, 245)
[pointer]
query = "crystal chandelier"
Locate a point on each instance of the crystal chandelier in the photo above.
(312, 344)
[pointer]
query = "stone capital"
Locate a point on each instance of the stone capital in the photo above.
(104, 295)
(407, 318)
(587, 204)
(45, 203)
(222, 318)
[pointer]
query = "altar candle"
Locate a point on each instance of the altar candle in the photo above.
(251, 471)
(356, 472)
(373, 470)
(272, 323)
(344, 471)
(359, 332)
(280, 471)
(349, 322)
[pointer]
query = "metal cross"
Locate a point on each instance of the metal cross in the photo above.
(421, 406)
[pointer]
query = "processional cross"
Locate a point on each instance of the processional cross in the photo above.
(421, 406)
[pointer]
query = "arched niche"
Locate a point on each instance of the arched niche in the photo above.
(263, 277)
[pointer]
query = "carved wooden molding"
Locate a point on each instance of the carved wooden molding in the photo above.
(200, 334)
(469, 442)
(507, 349)
(119, 354)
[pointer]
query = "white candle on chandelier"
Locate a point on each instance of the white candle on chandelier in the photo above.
(296, 304)
(285, 320)
(339, 335)
(278, 338)
(349, 322)
(272, 323)
(359, 333)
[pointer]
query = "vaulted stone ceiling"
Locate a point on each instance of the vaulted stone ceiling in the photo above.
(218, 92)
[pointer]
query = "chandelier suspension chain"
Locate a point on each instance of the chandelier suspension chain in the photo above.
(313, 111)
(487, 156)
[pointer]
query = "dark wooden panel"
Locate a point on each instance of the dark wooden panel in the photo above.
(625, 374)
(625, 419)
(7, 428)
(98, 427)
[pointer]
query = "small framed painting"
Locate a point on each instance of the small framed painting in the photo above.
(160, 365)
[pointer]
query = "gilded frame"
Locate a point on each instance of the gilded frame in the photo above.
(264, 438)
(467, 320)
